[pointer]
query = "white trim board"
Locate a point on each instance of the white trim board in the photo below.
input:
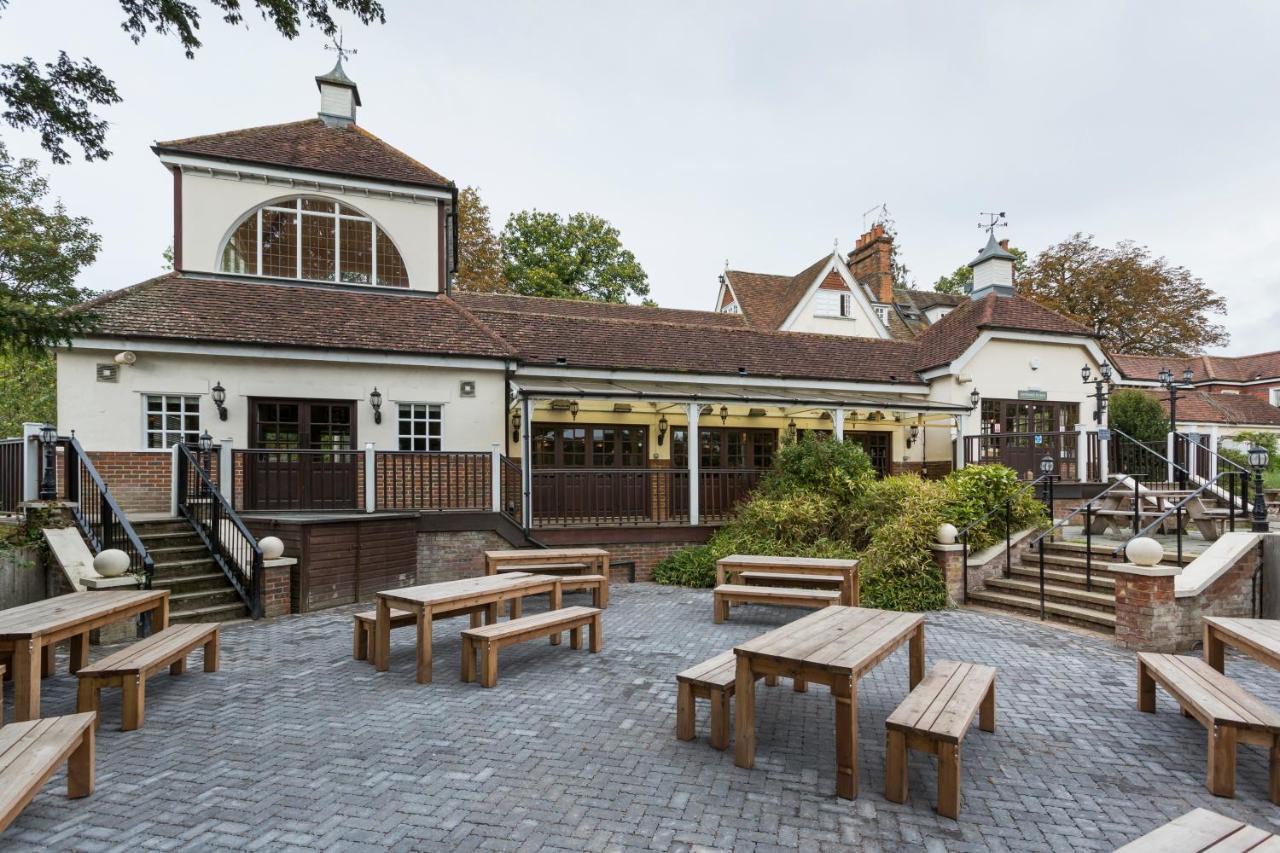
(237, 170)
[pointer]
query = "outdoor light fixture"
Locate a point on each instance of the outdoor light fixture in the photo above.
(1187, 375)
(724, 414)
(1106, 371)
(1259, 459)
(974, 398)
(48, 480)
(573, 409)
(375, 400)
(219, 396)
(1047, 465)
(791, 430)
(515, 425)
(913, 435)
(205, 442)
(662, 429)
(1101, 389)
(1173, 387)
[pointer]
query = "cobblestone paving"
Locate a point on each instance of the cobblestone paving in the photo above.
(294, 745)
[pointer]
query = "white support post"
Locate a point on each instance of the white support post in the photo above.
(1104, 456)
(31, 450)
(962, 424)
(226, 471)
(1213, 451)
(526, 463)
(1082, 452)
(694, 446)
(370, 478)
(1193, 442)
(837, 423)
(173, 481)
(1169, 445)
(495, 478)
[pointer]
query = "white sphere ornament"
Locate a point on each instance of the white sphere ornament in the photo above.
(1144, 551)
(947, 534)
(271, 547)
(111, 563)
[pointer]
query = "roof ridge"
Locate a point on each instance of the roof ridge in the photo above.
(569, 301)
(203, 136)
(476, 321)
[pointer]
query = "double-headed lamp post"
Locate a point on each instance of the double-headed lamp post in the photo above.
(1173, 387)
(1259, 458)
(1101, 388)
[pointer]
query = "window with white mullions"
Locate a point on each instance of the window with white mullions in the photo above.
(421, 426)
(171, 418)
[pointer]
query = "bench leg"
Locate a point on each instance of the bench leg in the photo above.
(1275, 770)
(468, 660)
(474, 617)
(597, 635)
(491, 613)
(489, 669)
(771, 680)
(720, 609)
(80, 767)
(604, 591)
(575, 638)
(79, 652)
(360, 642)
(134, 699)
(949, 780)
(87, 695)
(987, 711)
(211, 651)
(517, 608)
(26, 681)
(895, 767)
(845, 691)
(720, 719)
(1146, 690)
(684, 711)
(1222, 761)
(424, 646)
(179, 666)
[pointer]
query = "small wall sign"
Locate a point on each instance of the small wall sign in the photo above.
(1033, 395)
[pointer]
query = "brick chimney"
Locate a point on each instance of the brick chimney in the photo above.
(871, 262)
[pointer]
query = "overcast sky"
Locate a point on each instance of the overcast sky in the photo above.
(752, 132)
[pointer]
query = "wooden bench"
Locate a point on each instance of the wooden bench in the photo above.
(714, 680)
(1227, 710)
(728, 593)
(1203, 831)
(796, 581)
(31, 752)
(934, 718)
(490, 638)
(129, 668)
(543, 568)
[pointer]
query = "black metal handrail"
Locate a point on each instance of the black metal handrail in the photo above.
(96, 512)
(1008, 534)
(1204, 448)
(1161, 460)
(232, 546)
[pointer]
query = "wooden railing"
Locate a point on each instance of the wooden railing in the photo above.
(433, 481)
(295, 480)
(568, 497)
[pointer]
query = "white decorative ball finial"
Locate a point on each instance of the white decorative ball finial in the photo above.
(111, 563)
(947, 534)
(271, 547)
(1144, 551)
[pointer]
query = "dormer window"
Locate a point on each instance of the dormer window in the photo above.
(313, 239)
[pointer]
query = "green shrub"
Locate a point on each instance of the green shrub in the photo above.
(897, 571)
(973, 492)
(695, 567)
(837, 470)
(1139, 415)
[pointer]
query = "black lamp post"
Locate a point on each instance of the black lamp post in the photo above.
(1259, 458)
(1173, 387)
(1048, 469)
(1101, 388)
(49, 477)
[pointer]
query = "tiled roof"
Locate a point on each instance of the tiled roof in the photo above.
(1205, 368)
(766, 300)
(1232, 409)
(190, 308)
(948, 338)
(926, 299)
(311, 145)
(588, 309)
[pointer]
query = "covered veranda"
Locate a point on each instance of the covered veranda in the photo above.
(618, 451)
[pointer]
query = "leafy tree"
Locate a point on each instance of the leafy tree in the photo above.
(581, 257)
(28, 383)
(960, 280)
(479, 252)
(1138, 414)
(1137, 303)
(42, 250)
(1248, 438)
(58, 99)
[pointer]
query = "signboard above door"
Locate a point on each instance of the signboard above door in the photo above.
(1033, 395)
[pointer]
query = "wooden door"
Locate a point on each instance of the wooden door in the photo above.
(878, 447)
(303, 455)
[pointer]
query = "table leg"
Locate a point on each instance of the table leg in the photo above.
(424, 645)
(26, 681)
(1215, 650)
(382, 636)
(491, 613)
(917, 657)
(79, 652)
(161, 618)
(48, 658)
(719, 574)
(744, 714)
(844, 689)
(557, 600)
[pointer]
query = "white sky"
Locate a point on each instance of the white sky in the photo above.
(756, 132)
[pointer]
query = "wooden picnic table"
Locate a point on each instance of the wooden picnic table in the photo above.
(834, 646)
(1259, 638)
(1203, 831)
(596, 560)
(847, 570)
(452, 596)
(28, 634)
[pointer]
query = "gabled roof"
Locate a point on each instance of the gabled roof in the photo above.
(947, 339)
(1231, 409)
(767, 300)
(311, 146)
(601, 310)
(1205, 368)
(195, 308)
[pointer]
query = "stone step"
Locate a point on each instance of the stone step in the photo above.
(218, 613)
(171, 567)
(212, 581)
(1096, 619)
(1060, 593)
(170, 540)
(171, 553)
(1103, 551)
(183, 602)
(160, 526)
(1104, 582)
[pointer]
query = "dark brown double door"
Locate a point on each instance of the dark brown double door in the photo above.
(731, 462)
(1028, 431)
(590, 473)
(302, 455)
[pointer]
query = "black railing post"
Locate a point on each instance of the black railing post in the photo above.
(964, 544)
(1042, 578)
(1088, 547)
(1008, 541)
(1178, 533)
(107, 519)
(1137, 504)
(1231, 495)
(71, 471)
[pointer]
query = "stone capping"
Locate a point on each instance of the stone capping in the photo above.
(1144, 571)
(986, 554)
(280, 561)
(125, 580)
(1214, 562)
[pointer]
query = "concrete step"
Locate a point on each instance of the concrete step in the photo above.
(170, 540)
(217, 613)
(1103, 551)
(183, 602)
(158, 526)
(1060, 593)
(1095, 619)
(169, 568)
(211, 581)
(1102, 582)
(172, 553)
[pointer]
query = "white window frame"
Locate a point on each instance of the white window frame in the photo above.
(846, 305)
(164, 432)
(431, 413)
(1275, 396)
(882, 311)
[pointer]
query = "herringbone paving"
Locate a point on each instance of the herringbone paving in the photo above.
(295, 746)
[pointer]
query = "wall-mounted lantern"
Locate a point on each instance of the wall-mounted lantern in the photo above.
(662, 429)
(724, 414)
(573, 409)
(974, 398)
(791, 430)
(219, 396)
(913, 435)
(375, 400)
(515, 425)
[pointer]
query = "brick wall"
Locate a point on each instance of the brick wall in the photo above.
(277, 588)
(139, 480)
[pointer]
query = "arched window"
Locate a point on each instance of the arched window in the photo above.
(314, 239)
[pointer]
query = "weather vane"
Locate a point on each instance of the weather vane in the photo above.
(336, 46)
(994, 221)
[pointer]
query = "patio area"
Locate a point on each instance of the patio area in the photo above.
(294, 745)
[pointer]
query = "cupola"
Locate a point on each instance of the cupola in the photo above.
(339, 97)
(992, 270)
